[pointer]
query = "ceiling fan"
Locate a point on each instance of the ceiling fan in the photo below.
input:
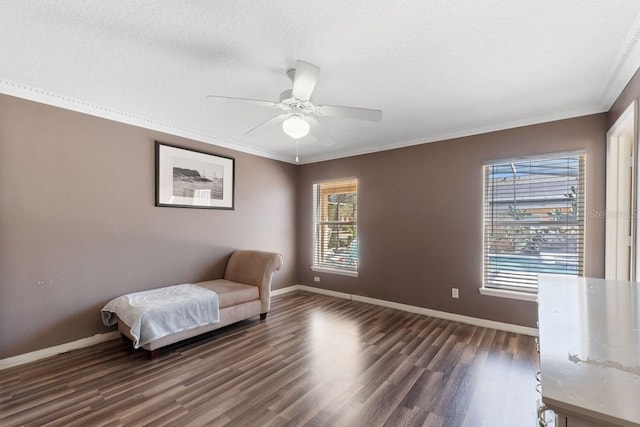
(298, 116)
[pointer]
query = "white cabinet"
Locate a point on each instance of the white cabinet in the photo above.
(563, 421)
(590, 350)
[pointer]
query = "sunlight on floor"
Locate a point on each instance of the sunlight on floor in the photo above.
(336, 349)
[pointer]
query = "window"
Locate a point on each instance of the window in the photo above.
(533, 220)
(335, 247)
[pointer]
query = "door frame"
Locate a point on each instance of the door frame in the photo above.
(615, 243)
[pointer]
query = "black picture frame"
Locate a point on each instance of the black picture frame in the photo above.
(188, 178)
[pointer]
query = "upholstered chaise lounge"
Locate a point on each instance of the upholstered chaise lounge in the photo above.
(245, 292)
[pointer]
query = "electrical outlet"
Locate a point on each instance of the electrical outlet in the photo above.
(454, 293)
(316, 278)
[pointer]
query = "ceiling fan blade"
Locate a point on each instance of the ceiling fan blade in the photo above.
(270, 121)
(319, 131)
(304, 80)
(245, 101)
(349, 112)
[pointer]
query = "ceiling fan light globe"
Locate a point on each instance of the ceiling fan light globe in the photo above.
(296, 127)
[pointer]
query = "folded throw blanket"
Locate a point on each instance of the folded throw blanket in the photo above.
(160, 312)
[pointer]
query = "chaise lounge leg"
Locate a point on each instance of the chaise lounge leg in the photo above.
(263, 316)
(152, 354)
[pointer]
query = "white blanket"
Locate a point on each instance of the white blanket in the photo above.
(160, 312)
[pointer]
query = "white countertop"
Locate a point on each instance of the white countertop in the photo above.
(590, 348)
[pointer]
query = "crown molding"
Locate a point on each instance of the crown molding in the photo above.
(623, 67)
(19, 90)
(56, 100)
(567, 113)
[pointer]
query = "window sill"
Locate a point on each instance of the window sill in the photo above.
(509, 294)
(350, 273)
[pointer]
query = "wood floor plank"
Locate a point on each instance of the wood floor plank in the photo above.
(315, 361)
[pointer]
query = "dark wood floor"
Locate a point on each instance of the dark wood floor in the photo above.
(315, 361)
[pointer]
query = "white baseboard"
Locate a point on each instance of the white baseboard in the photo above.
(96, 339)
(86, 342)
(282, 291)
(525, 330)
(58, 349)
(311, 289)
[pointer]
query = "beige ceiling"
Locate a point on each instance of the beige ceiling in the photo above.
(437, 69)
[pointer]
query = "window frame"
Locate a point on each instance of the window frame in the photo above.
(334, 186)
(521, 294)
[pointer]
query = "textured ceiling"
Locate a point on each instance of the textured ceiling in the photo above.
(437, 69)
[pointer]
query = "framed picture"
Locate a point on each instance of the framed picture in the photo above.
(188, 178)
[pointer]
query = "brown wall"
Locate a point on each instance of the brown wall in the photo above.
(78, 225)
(420, 217)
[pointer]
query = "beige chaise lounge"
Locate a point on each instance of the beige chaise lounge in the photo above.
(245, 292)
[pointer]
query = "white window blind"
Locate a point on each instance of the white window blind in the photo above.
(335, 225)
(533, 220)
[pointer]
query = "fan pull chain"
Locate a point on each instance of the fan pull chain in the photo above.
(296, 151)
